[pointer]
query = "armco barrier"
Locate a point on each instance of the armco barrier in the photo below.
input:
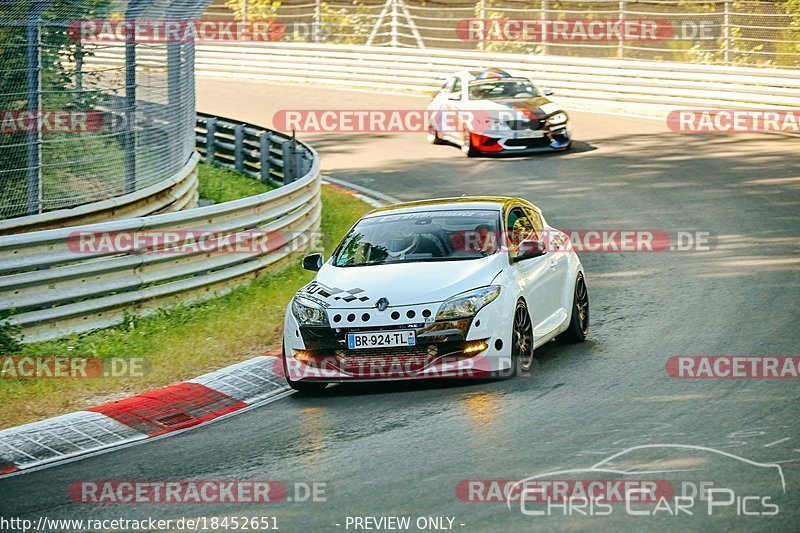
(585, 81)
(54, 290)
(266, 155)
(172, 194)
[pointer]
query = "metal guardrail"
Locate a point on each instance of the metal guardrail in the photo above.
(175, 193)
(54, 289)
(269, 156)
(582, 80)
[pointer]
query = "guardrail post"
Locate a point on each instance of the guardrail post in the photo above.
(288, 161)
(317, 20)
(394, 24)
(211, 139)
(482, 17)
(264, 139)
(726, 33)
(545, 14)
(174, 90)
(34, 104)
(238, 145)
(621, 44)
(79, 71)
(299, 161)
(133, 11)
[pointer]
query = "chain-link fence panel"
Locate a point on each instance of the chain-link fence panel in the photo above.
(74, 130)
(728, 32)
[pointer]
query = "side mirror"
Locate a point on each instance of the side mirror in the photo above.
(529, 250)
(313, 262)
(547, 92)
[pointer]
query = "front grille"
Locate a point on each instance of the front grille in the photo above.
(542, 142)
(423, 350)
(519, 125)
(407, 358)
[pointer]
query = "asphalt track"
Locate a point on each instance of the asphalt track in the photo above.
(401, 449)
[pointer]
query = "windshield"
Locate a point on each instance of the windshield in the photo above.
(416, 237)
(502, 90)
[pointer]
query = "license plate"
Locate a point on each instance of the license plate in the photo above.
(528, 134)
(380, 339)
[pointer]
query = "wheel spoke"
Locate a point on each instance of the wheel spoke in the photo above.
(522, 336)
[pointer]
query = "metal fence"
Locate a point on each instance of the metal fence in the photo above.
(122, 127)
(728, 32)
(53, 288)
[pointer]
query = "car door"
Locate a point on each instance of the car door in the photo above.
(447, 101)
(455, 101)
(533, 275)
(557, 263)
(441, 97)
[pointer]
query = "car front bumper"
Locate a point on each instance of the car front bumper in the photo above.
(443, 349)
(554, 138)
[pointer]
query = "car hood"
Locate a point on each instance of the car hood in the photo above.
(402, 283)
(538, 107)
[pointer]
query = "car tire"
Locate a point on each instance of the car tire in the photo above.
(578, 328)
(466, 144)
(433, 135)
(522, 340)
(305, 387)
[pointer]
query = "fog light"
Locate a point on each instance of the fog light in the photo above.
(302, 356)
(475, 347)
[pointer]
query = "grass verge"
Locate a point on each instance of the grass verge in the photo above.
(223, 185)
(178, 343)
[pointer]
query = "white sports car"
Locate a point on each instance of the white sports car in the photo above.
(493, 111)
(461, 287)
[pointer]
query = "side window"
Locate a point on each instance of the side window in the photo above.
(519, 228)
(536, 223)
(457, 86)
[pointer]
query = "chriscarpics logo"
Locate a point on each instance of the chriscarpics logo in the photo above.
(644, 481)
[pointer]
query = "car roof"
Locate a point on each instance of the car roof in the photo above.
(486, 74)
(494, 203)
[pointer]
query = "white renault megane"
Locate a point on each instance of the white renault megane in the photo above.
(461, 287)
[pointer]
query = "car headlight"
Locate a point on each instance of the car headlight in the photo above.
(308, 313)
(467, 304)
(558, 118)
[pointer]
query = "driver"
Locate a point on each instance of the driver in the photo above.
(401, 241)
